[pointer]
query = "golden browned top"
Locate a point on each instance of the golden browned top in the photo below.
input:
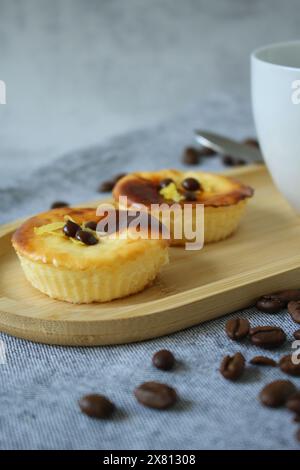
(62, 252)
(216, 190)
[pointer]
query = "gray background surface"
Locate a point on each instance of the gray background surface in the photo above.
(78, 73)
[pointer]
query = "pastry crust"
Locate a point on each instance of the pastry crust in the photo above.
(113, 268)
(224, 198)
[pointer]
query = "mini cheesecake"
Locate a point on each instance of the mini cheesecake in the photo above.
(223, 198)
(64, 256)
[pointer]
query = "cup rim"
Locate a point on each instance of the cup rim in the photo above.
(275, 45)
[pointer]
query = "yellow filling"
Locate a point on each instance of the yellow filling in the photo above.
(170, 192)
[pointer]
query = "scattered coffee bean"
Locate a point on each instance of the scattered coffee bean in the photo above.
(297, 334)
(191, 184)
(288, 295)
(267, 336)
(106, 186)
(293, 403)
(252, 142)
(118, 176)
(156, 395)
(70, 228)
(263, 361)
(96, 406)
(91, 225)
(86, 237)
(232, 367)
(286, 365)
(237, 328)
(294, 310)
(277, 393)
(58, 204)
(296, 418)
(163, 359)
(297, 435)
(190, 156)
(190, 196)
(165, 182)
(270, 303)
(228, 160)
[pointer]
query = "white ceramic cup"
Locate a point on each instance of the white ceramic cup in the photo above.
(275, 83)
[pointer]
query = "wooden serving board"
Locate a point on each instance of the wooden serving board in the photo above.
(262, 256)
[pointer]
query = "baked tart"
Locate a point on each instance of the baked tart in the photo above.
(224, 199)
(63, 254)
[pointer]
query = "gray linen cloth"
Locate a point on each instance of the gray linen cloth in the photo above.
(40, 385)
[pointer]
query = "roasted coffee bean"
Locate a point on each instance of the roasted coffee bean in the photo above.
(228, 160)
(91, 225)
(267, 336)
(277, 393)
(270, 303)
(86, 237)
(293, 403)
(156, 395)
(286, 365)
(58, 204)
(106, 186)
(190, 196)
(294, 310)
(297, 334)
(237, 328)
(118, 176)
(263, 361)
(190, 156)
(70, 228)
(297, 435)
(96, 406)
(191, 184)
(163, 359)
(165, 182)
(252, 142)
(232, 367)
(288, 295)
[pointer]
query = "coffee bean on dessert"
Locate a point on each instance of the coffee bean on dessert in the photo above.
(91, 225)
(165, 182)
(277, 393)
(163, 359)
(190, 196)
(293, 403)
(237, 328)
(252, 142)
(96, 406)
(297, 334)
(232, 367)
(156, 395)
(263, 361)
(106, 186)
(190, 156)
(86, 237)
(286, 365)
(267, 336)
(191, 184)
(71, 228)
(58, 204)
(294, 310)
(288, 295)
(270, 303)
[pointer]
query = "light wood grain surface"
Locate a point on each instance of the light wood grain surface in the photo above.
(262, 256)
